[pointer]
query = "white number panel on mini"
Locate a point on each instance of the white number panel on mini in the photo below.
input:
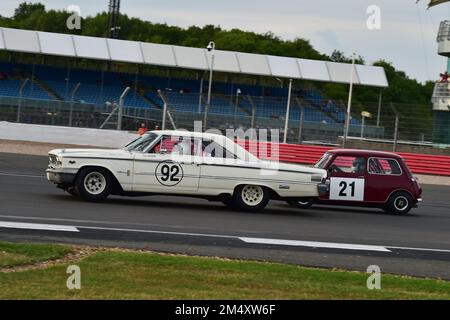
(349, 189)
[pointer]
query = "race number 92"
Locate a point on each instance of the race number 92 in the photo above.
(347, 189)
(169, 173)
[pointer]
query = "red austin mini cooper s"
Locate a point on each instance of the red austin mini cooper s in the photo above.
(367, 179)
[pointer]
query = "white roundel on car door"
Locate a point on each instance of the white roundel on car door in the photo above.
(349, 189)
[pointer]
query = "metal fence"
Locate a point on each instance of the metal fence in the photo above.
(390, 124)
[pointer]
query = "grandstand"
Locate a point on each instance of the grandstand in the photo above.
(98, 88)
(185, 96)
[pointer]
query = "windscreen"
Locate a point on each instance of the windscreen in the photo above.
(323, 161)
(141, 143)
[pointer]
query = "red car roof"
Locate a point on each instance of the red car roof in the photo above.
(364, 153)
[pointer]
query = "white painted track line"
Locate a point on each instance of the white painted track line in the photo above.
(250, 240)
(21, 175)
(314, 244)
(37, 226)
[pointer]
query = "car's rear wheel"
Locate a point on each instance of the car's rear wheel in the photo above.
(399, 203)
(250, 197)
(302, 204)
(94, 184)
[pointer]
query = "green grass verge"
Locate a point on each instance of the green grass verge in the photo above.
(130, 275)
(15, 254)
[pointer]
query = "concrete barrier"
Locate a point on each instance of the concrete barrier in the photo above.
(65, 135)
(419, 163)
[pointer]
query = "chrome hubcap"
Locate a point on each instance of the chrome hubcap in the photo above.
(95, 183)
(252, 195)
(401, 203)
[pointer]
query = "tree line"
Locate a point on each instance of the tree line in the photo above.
(402, 89)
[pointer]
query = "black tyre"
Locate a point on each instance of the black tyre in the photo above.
(400, 203)
(94, 184)
(72, 191)
(228, 201)
(302, 204)
(250, 197)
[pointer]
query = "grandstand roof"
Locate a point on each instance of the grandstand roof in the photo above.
(186, 57)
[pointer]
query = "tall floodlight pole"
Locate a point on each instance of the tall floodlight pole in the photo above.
(72, 98)
(113, 23)
(349, 104)
(19, 107)
(286, 121)
(211, 47)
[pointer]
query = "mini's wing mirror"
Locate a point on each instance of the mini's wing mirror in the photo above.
(163, 151)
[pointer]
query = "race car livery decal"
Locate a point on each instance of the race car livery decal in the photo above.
(349, 189)
(169, 173)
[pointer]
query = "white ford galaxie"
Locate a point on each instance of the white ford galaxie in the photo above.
(183, 163)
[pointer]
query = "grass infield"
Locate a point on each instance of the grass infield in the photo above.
(123, 274)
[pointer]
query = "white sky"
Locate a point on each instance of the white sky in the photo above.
(407, 35)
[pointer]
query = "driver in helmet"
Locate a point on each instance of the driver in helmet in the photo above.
(359, 165)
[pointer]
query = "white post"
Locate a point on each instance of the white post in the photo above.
(379, 107)
(166, 104)
(286, 121)
(252, 122)
(121, 103)
(72, 97)
(19, 107)
(238, 91)
(362, 126)
(302, 117)
(163, 122)
(211, 47)
(200, 97)
(349, 104)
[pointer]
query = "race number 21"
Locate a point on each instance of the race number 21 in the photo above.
(347, 189)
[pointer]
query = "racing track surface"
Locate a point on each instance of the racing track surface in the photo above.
(418, 244)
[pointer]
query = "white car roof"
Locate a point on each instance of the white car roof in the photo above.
(183, 133)
(224, 141)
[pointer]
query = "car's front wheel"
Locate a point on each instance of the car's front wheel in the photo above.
(399, 203)
(72, 191)
(302, 204)
(94, 184)
(250, 197)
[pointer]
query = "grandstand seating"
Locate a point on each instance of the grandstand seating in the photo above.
(90, 91)
(327, 106)
(98, 88)
(9, 87)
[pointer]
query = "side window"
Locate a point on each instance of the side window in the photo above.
(174, 145)
(384, 166)
(213, 150)
(348, 164)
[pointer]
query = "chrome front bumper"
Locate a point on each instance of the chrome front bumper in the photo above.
(419, 200)
(65, 177)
